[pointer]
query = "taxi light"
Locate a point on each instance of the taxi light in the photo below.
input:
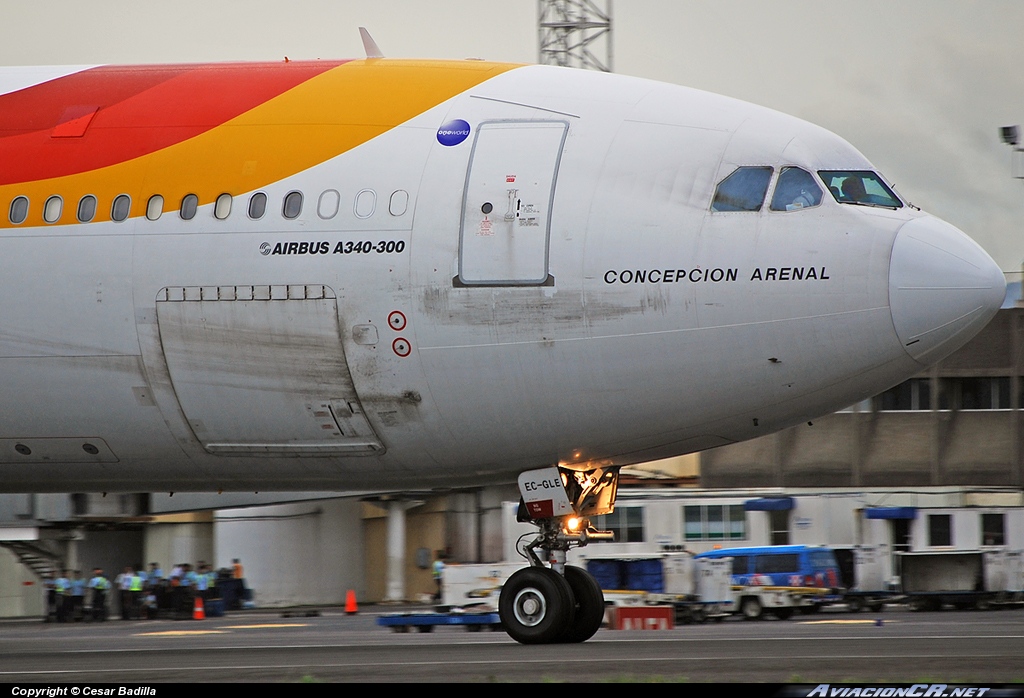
(572, 524)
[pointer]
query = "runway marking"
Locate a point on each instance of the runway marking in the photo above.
(176, 633)
(266, 625)
(867, 621)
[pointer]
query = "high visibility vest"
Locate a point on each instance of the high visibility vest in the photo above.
(136, 584)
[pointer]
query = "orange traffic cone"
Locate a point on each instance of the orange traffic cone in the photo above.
(350, 603)
(198, 612)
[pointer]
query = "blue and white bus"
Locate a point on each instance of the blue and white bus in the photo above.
(809, 574)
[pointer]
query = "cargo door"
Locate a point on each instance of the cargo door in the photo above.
(261, 370)
(506, 212)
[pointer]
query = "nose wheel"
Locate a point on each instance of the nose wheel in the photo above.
(589, 605)
(536, 606)
(539, 606)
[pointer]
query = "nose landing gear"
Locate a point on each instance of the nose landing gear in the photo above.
(551, 602)
(536, 606)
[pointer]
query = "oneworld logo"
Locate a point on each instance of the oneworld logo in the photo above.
(453, 132)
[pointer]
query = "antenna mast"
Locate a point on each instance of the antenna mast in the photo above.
(569, 30)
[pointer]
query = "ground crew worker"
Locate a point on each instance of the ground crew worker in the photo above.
(236, 569)
(211, 584)
(77, 596)
(51, 597)
(62, 587)
(135, 592)
(99, 585)
(202, 583)
(124, 583)
(438, 571)
(186, 589)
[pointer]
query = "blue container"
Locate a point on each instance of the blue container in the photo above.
(215, 608)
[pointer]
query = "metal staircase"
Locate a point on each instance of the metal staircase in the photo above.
(42, 561)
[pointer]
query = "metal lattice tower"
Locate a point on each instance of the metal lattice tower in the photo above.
(569, 30)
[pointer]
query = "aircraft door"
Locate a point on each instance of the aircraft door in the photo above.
(260, 370)
(506, 211)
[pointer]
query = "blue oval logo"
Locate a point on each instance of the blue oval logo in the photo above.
(453, 132)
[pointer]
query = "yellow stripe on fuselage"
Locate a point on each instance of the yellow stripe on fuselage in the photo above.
(307, 125)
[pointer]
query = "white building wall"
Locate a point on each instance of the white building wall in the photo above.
(1015, 529)
(295, 554)
(829, 519)
(876, 531)
(21, 592)
(168, 544)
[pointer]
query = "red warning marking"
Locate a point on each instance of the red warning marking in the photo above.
(510, 178)
(396, 320)
(401, 346)
(543, 509)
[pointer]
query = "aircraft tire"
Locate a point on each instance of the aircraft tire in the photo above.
(536, 606)
(589, 605)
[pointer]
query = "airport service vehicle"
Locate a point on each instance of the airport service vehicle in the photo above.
(475, 586)
(425, 622)
(697, 589)
(962, 578)
(780, 578)
(390, 274)
(864, 576)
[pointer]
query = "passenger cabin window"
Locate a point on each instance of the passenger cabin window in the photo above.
(257, 205)
(189, 206)
(121, 207)
(292, 205)
(329, 204)
(155, 207)
(19, 210)
(860, 188)
(796, 189)
(222, 208)
(743, 190)
(86, 208)
(52, 209)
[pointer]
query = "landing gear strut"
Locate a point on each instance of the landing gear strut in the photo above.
(551, 601)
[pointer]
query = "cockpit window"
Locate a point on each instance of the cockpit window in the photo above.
(861, 188)
(796, 189)
(743, 190)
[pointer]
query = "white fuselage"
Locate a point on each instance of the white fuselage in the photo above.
(601, 312)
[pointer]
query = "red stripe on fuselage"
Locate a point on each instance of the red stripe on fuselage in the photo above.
(141, 109)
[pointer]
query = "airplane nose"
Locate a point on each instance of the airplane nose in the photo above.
(943, 288)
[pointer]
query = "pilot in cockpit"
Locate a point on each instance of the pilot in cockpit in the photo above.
(853, 190)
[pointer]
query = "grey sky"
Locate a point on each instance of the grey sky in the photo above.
(919, 86)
